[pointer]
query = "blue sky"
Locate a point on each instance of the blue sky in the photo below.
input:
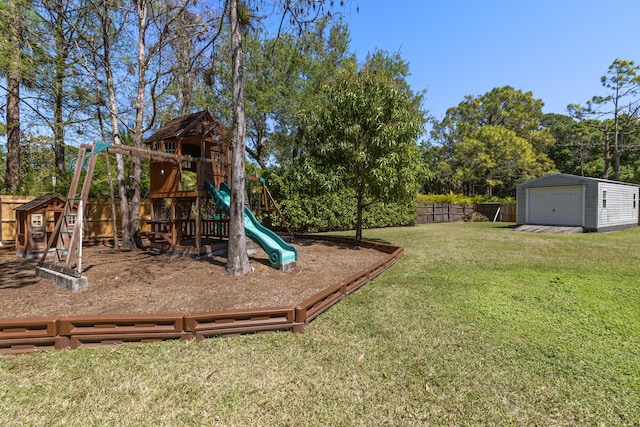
(557, 49)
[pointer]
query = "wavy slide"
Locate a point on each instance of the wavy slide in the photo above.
(281, 254)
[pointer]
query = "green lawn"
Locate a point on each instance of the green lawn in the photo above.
(476, 325)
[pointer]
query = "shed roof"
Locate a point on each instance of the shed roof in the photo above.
(196, 124)
(38, 203)
(571, 179)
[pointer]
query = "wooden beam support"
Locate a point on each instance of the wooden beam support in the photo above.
(145, 153)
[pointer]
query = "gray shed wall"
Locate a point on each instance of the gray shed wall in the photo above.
(621, 205)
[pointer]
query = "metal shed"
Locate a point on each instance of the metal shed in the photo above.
(576, 201)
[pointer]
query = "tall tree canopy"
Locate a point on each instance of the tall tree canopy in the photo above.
(577, 146)
(493, 159)
(115, 70)
(620, 106)
(503, 126)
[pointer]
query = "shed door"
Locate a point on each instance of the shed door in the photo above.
(555, 206)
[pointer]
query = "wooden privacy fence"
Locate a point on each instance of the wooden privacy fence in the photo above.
(444, 212)
(28, 335)
(99, 222)
(441, 212)
(99, 218)
(8, 215)
(508, 212)
(504, 212)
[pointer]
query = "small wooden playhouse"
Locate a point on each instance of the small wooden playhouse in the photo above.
(34, 225)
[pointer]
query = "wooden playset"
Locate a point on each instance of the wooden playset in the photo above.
(189, 160)
(181, 220)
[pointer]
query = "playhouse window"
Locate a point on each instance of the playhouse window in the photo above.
(36, 220)
(170, 147)
(217, 157)
(158, 146)
(604, 198)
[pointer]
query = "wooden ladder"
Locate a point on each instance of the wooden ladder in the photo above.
(67, 235)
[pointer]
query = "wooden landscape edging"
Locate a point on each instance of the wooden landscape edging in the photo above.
(240, 321)
(46, 333)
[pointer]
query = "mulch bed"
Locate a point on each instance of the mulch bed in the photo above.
(124, 282)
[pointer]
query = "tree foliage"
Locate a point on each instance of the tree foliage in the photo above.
(364, 138)
(493, 159)
(489, 143)
(577, 146)
(283, 76)
(622, 105)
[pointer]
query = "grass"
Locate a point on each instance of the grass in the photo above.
(476, 325)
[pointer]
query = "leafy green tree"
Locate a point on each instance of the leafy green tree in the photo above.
(300, 13)
(578, 144)
(58, 87)
(503, 106)
(493, 159)
(503, 109)
(37, 165)
(283, 77)
(365, 139)
(318, 55)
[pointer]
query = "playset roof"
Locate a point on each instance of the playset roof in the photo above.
(196, 124)
(38, 203)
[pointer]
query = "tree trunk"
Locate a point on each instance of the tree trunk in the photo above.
(607, 154)
(139, 119)
(616, 136)
(127, 238)
(12, 180)
(13, 130)
(360, 187)
(112, 198)
(238, 260)
(58, 129)
(616, 164)
(58, 80)
(359, 208)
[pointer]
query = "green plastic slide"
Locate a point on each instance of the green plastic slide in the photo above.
(281, 254)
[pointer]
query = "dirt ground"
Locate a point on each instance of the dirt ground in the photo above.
(135, 281)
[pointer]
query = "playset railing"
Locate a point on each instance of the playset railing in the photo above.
(218, 228)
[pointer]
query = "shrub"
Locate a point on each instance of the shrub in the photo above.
(474, 216)
(308, 209)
